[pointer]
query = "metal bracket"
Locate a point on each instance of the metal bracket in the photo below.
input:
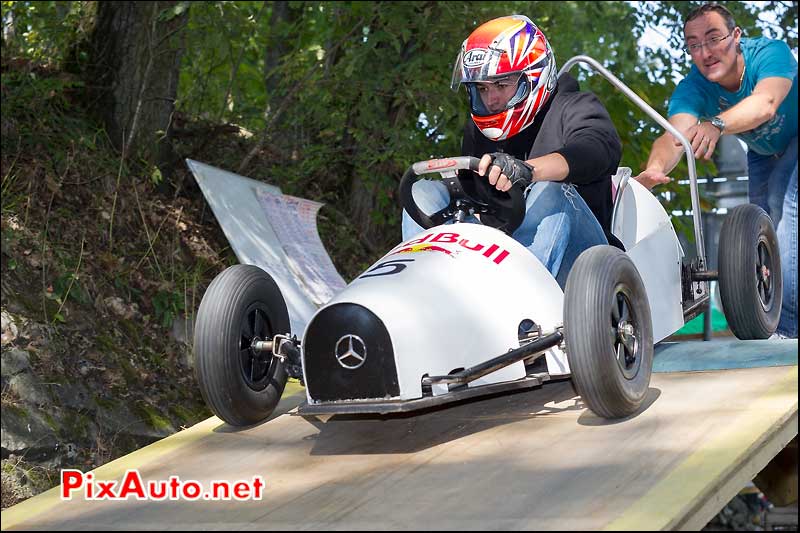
(286, 350)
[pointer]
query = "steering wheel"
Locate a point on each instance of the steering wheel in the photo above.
(471, 194)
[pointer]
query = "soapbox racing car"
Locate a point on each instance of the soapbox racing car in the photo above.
(462, 310)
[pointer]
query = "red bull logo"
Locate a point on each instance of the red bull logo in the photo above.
(454, 243)
(423, 248)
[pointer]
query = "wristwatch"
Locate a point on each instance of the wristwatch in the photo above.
(719, 124)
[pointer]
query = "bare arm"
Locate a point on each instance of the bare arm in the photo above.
(666, 152)
(748, 114)
(757, 108)
(550, 167)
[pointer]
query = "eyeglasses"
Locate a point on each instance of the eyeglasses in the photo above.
(710, 44)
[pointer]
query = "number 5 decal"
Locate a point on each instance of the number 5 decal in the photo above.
(394, 266)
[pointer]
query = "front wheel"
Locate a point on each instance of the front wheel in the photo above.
(608, 332)
(750, 282)
(240, 385)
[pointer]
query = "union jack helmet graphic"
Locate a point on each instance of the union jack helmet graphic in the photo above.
(502, 54)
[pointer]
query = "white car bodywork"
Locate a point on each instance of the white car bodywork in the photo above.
(645, 229)
(454, 295)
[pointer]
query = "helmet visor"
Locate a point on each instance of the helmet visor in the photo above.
(491, 97)
(477, 64)
(455, 80)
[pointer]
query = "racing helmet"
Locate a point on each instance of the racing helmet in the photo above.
(505, 53)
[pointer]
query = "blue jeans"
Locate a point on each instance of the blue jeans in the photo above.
(557, 227)
(773, 186)
(787, 240)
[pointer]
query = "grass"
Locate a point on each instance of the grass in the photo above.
(152, 417)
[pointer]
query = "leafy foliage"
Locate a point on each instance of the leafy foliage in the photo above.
(337, 98)
(365, 85)
(45, 31)
(168, 306)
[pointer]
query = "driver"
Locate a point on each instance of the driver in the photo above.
(531, 131)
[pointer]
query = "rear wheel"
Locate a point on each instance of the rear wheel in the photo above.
(242, 305)
(750, 282)
(608, 332)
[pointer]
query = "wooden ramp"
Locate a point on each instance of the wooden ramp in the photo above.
(530, 460)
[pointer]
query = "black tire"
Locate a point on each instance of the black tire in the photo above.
(608, 332)
(750, 281)
(241, 303)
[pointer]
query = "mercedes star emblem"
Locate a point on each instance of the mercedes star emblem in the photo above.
(351, 352)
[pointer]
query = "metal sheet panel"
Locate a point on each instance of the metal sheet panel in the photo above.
(658, 259)
(240, 205)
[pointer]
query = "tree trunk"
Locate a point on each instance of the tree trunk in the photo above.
(278, 100)
(364, 194)
(275, 49)
(134, 67)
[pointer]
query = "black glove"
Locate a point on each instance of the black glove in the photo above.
(518, 172)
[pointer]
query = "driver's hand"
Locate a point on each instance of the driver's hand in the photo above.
(505, 171)
(652, 177)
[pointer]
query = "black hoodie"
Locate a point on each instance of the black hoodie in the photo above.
(576, 125)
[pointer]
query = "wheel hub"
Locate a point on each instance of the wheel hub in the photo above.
(254, 331)
(764, 272)
(764, 277)
(625, 330)
(626, 343)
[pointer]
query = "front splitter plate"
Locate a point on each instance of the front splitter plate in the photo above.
(403, 406)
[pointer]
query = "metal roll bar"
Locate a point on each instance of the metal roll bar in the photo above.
(652, 113)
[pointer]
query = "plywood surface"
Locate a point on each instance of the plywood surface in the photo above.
(530, 460)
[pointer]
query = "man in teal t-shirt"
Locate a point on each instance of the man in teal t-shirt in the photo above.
(763, 58)
(748, 88)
